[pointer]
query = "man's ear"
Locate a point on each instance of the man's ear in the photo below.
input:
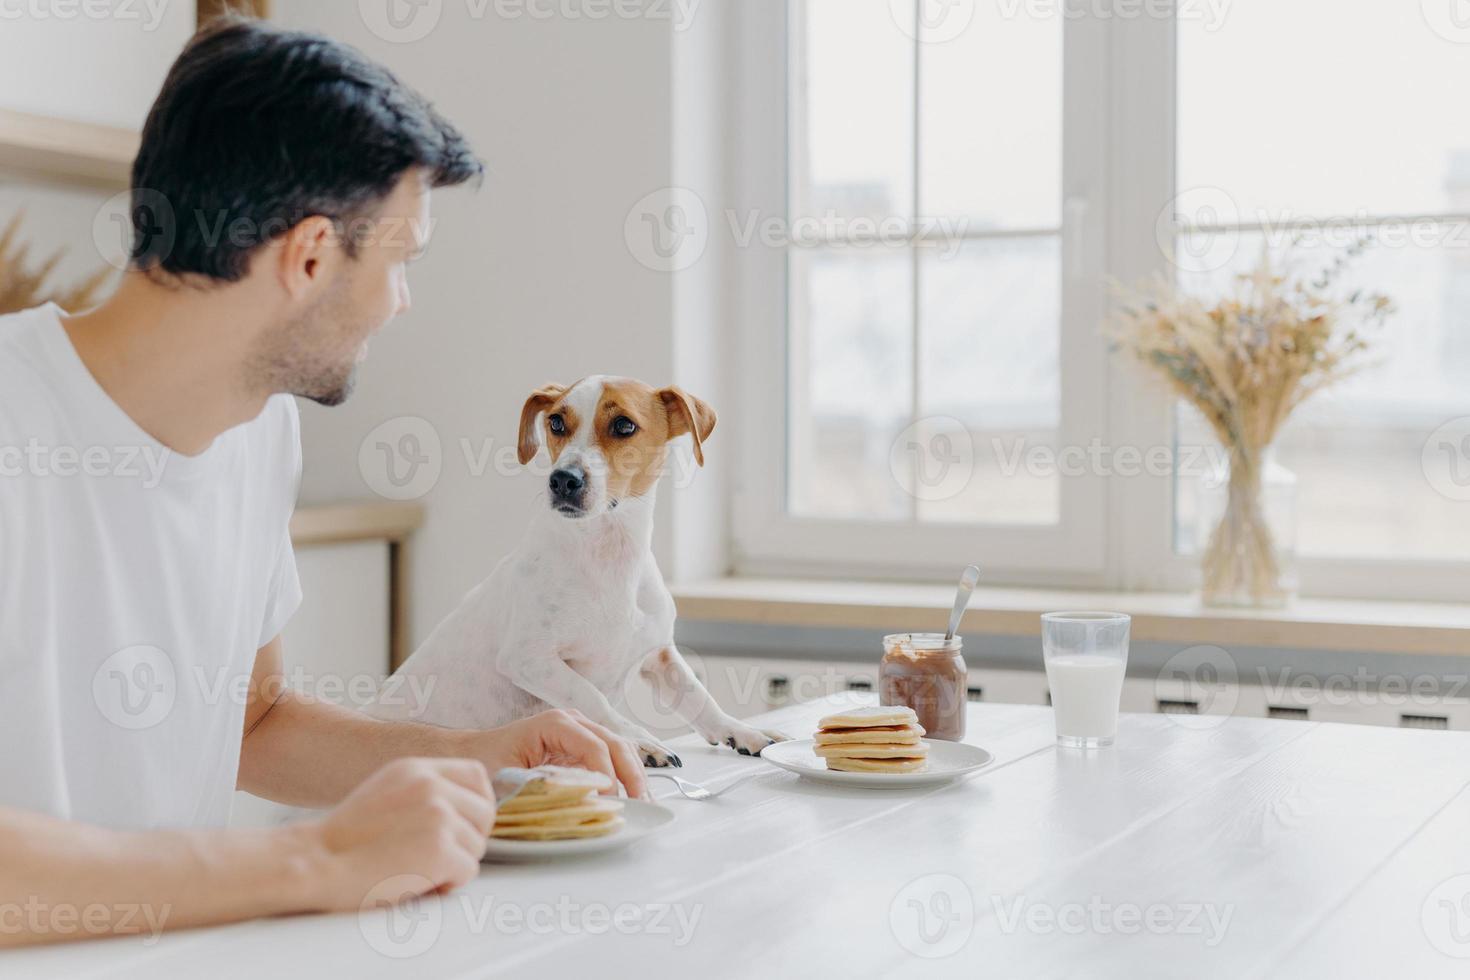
(688, 414)
(541, 399)
(301, 252)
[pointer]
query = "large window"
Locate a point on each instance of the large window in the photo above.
(966, 179)
(1367, 137)
(944, 329)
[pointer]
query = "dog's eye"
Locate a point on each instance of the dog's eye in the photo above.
(624, 426)
(558, 425)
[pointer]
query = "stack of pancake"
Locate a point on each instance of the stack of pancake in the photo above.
(875, 739)
(554, 803)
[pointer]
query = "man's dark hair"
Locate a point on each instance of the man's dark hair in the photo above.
(258, 128)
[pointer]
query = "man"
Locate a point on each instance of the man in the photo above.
(281, 189)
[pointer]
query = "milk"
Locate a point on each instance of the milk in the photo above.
(1085, 690)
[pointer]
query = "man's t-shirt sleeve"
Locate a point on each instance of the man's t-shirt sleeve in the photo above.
(285, 594)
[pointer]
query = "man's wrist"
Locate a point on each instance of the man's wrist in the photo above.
(307, 871)
(487, 746)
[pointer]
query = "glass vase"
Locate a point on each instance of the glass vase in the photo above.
(1248, 526)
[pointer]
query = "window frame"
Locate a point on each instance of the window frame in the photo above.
(1116, 533)
(769, 540)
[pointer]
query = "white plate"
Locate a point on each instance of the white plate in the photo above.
(639, 818)
(947, 761)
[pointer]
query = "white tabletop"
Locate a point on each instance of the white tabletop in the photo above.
(1192, 847)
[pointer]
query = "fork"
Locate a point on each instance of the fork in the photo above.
(694, 791)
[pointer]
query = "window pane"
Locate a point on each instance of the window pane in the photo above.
(862, 444)
(991, 121)
(1350, 117)
(1330, 132)
(1357, 450)
(851, 381)
(990, 361)
(854, 90)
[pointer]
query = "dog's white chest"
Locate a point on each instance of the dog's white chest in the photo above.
(613, 633)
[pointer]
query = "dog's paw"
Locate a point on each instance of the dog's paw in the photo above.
(749, 741)
(655, 756)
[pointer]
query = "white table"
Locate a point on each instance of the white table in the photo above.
(1321, 850)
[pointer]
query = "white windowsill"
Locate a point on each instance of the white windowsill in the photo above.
(1307, 624)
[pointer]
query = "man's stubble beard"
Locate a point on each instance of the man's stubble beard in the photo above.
(304, 357)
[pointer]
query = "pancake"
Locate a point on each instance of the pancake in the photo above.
(546, 787)
(579, 831)
(870, 736)
(876, 764)
(865, 751)
(554, 803)
(870, 717)
(564, 816)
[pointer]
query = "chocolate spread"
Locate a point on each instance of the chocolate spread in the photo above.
(926, 673)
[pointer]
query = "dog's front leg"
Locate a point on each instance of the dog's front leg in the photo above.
(676, 685)
(549, 678)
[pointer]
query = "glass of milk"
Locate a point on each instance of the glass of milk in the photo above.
(1086, 654)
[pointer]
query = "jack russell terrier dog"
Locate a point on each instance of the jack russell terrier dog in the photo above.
(567, 618)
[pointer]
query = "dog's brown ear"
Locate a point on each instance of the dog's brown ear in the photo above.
(688, 414)
(541, 399)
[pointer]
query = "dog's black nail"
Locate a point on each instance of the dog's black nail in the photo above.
(676, 761)
(743, 751)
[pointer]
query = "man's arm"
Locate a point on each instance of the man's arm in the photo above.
(306, 752)
(420, 818)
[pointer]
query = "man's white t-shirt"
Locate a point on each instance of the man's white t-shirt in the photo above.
(136, 585)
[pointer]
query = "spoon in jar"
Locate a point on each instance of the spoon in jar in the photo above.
(968, 578)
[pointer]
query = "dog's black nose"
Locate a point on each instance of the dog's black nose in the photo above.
(568, 483)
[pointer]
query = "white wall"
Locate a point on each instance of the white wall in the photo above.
(530, 279)
(99, 61)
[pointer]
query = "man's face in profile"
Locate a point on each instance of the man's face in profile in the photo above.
(316, 353)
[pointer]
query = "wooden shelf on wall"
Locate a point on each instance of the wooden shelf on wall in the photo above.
(62, 151)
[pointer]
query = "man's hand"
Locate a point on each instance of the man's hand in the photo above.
(563, 738)
(425, 818)
(305, 752)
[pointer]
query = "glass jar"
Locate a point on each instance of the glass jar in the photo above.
(926, 672)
